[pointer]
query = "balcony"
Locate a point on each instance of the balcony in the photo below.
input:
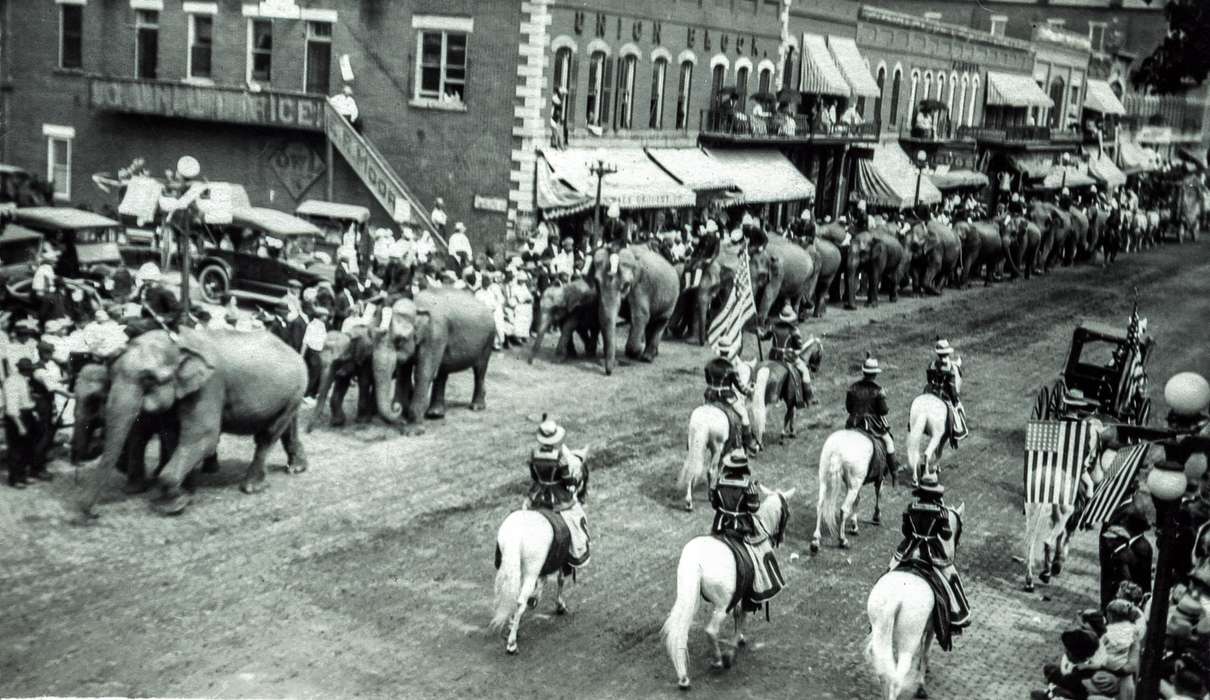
(739, 128)
(181, 100)
(1021, 135)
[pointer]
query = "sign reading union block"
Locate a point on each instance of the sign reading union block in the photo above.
(208, 103)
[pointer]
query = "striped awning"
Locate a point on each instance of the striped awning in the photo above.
(1103, 168)
(1191, 155)
(853, 66)
(820, 76)
(1076, 177)
(1134, 158)
(763, 175)
(1100, 98)
(889, 179)
(1015, 90)
(638, 183)
(1034, 166)
(955, 179)
(554, 197)
(693, 168)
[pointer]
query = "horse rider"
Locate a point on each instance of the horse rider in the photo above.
(926, 529)
(735, 499)
(723, 385)
(614, 236)
(787, 347)
(754, 233)
(867, 408)
(944, 375)
(1065, 199)
(553, 486)
(705, 250)
(860, 217)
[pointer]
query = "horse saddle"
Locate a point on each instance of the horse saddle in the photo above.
(941, 599)
(757, 576)
(735, 426)
(878, 462)
(955, 423)
(558, 557)
(794, 393)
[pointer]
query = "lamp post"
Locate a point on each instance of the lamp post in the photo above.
(188, 169)
(1167, 484)
(1064, 160)
(600, 169)
(921, 161)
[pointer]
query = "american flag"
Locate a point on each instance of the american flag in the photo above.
(1117, 486)
(726, 332)
(1055, 452)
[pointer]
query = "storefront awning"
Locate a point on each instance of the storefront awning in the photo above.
(554, 197)
(955, 179)
(638, 183)
(853, 66)
(1014, 90)
(763, 175)
(1102, 168)
(889, 179)
(820, 76)
(1075, 178)
(1099, 97)
(693, 168)
(1033, 167)
(1191, 155)
(1134, 158)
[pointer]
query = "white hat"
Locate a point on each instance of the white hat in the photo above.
(550, 433)
(747, 220)
(515, 262)
(787, 314)
(737, 235)
(58, 325)
(346, 252)
(842, 219)
(460, 227)
(395, 249)
(440, 201)
(614, 211)
(148, 272)
(711, 226)
(310, 294)
(806, 214)
(861, 205)
(27, 324)
(943, 347)
(1066, 191)
(870, 366)
(382, 233)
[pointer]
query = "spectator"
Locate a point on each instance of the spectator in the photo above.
(296, 322)
(23, 343)
(827, 116)
(104, 337)
(425, 247)
(563, 264)
(346, 106)
(314, 339)
(459, 246)
(520, 305)
(438, 215)
(1082, 658)
(21, 429)
(45, 286)
(851, 116)
(1125, 554)
(557, 139)
(50, 396)
(1121, 637)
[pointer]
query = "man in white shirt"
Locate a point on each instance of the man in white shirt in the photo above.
(425, 247)
(851, 116)
(45, 286)
(346, 106)
(459, 245)
(104, 337)
(23, 344)
(21, 430)
(313, 344)
(563, 264)
(438, 216)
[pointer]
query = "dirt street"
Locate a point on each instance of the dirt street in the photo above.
(371, 574)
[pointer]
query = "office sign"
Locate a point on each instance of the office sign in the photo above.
(205, 103)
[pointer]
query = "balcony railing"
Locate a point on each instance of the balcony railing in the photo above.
(779, 128)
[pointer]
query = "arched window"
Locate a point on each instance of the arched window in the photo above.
(960, 114)
(564, 80)
(787, 71)
(717, 75)
(881, 92)
(766, 80)
(596, 106)
(974, 98)
(940, 87)
(912, 98)
(1057, 90)
(625, 111)
(684, 92)
(659, 73)
(949, 100)
(928, 88)
(896, 81)
(741, 83)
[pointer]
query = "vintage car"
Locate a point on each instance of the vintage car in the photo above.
(1108, 365)
(257, 254)
(98, 240)
(20, 188)
(336, 220)
(19, 248)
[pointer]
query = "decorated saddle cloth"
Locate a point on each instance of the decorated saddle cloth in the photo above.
(758, 578)
(941, 599)
(560, 558)
(793, 394)
(955, 417)
(735, 425)
(878, 463)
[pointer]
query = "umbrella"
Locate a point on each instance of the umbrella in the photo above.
(933, 106)
(728, 91)
(767, 97)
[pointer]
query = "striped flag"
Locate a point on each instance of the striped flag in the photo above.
(1055, 452)
(726, 333)
(1116, 487)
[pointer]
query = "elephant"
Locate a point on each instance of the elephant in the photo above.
(1021, 252)
(441, 330)
(345, 357)
(1081, 232)
(649, 285)
(827, 258)
(839, 236)
(969, 245)
(572, 307)
(216, 381)
(1057, 236)
(692, 316)
(936, 253)
(991, 252)
(791, 269)
(881, 256)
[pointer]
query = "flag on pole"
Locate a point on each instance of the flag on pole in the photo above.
(1117, 486)
(1055, 452)
(726, 334)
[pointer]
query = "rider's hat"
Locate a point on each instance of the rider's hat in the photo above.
(929, 486)
(550, 433)
(735, 463)
(943, 348)
(1076, 399)
(870, 366)
(711, 226)
(787, 314)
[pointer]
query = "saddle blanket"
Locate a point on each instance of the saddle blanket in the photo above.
(735, 426)
(758, 578)
(941, 600)
(795, 395)
(559, 557)
(878, 463)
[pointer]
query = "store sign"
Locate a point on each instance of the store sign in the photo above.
(497, 204)
(207, 103)
(601, 25)
(370, 168)
(298, 166)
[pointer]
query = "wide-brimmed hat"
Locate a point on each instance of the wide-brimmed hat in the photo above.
(736, 460)
(787, 314)
(870, 366)
(943, 348)
(711, 226)
(1080, 645)
(614, 211)
(550, 433)
(1076, 399)
(26, 325)
(737, 235)
(929, 486)
(459, 227)
(148, 272)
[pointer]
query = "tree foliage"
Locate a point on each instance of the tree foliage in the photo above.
(1182, 60)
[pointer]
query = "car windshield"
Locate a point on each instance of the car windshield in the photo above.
(18, 252)
(97, 235)
(1099, 353)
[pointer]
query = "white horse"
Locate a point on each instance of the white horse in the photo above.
(707, 570)
(844, 464)
(900, 608)
(770, 388)
(928, 416)
(523, 540)
(709, 430)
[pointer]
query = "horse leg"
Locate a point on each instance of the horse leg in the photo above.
(717, 618)
(560, 604)
(740, 620)
(528, 590)
(848, 517)
(733, 648)
(819, 506)
(877, 520)
(923, 668)
(1044, 575)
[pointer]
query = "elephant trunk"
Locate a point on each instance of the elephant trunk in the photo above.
(609, 306)
(544, 321)
(81, 432)
(121, 410)
(325, 386)
(385, 363)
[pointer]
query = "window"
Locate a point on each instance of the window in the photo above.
(1057, 91)
(1074, 104)
(999, 25)
(970, 106)
(933, 16)
(684, 92)
(441, 66)
(896, 80)
(260, 50)
(928, 87)
(146, 43)
(318, 61)
(58, 158)
(940, 88)
(1096, 34)
(766, 80)
(624, 114)
(565, 80)
(717, 75)
(881, 80)
(960, 112)
(912, 99)
(201, 46)
(659, 73)
(71, 36)
(787, 71)
(596, 108)
(741, 83)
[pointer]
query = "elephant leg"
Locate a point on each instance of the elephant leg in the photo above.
(655, 331)
(437, 400)
(340, 387)
(405, 391)
(479, 394)
(894, 283)
(365, 394)
(199, 435)
(296, 455)
(873, 280)
(567, 347)
(636, 341)
(254, 478)
(427, 366)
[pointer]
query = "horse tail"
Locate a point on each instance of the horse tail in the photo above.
(695, 458)
(831, 481)
(676, 627)
(508, 577)
(917, 423)
(760, 404)
(883, 611)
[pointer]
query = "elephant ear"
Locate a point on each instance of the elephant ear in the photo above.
(193, 369)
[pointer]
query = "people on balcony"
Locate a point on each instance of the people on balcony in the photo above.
(923, 127)
(851, 116)
(827, 116)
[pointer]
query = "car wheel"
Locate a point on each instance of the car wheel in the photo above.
(215, 284)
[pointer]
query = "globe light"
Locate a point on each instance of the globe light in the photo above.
(1187, 393)
(921, 157)
(1195, 469)
(188, 167)
(1166, 482)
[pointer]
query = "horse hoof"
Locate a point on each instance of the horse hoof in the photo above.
(1044, 577)
(560, 609)
(717, 664)
(532, 602)
(843, 544)
(814, 547)
(1056, 568)
(689, 506)
(511, 649)
(728, 659)
(1028, 587)
(876, 520)
(683, 684)
(172, 506)
(921, 692)
(742, 641)
(251, 487)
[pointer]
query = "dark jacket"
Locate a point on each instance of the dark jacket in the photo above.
(552, 484)
(787, 342)
(722, 381)
(161, 302)
(735, 504)
(941, 381)
(926, 527)
(867, 407)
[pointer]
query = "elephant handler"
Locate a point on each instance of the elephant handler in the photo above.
(554, 487)
(787, 347)
(705, 250)
(944, 376)
(867, 408)
(614, 236)
(926, 529)
(723, 385)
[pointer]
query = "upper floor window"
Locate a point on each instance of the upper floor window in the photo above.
(881, 80)
(659, 74)
(596, 107)
(999, 25)
(58, 158)
(147, 43)
(260, 50)
(766, 80)
(912, 98)
(684, 93)
(717, 75)
(787, 71)
(974, 97)
(317, 65)
(201, 47)
(71, 36)
(1096, 34)
(441, 66)
(896, 84)
(564, 82)
(624, 114)
(741, 83)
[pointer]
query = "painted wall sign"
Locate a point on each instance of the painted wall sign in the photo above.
(370, 169)
(599, 26)
(496, 204)
(207, 103)
(297, 165)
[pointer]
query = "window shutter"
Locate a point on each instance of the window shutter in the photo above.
(606, 92)
(573, 79)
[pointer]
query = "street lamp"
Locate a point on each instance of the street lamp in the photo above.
(187, 168)
(1166, 482)
(922, 159)
(600, 169)
(1064, 160)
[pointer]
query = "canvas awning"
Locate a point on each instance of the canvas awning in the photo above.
(693, 168)
(1099, 97)
(889, 179)
(1015, 90)
(852, 66)
(763, 175)
(1075, 178)
(1134, 158)
(955, 179)
(638, 183)
(555, 198)
(820, 76)
(1191, 155)
(1033, 167)
(1102, 168)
